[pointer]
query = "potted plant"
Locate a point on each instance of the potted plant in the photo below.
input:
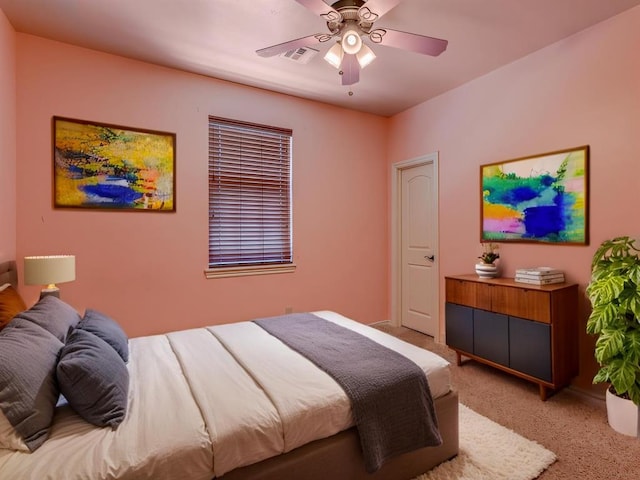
(614, 293)
(487, 267)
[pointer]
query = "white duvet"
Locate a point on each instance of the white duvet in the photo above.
(205, 401)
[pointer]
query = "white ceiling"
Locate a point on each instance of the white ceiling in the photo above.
(218, 38)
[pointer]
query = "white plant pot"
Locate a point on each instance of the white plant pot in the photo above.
(622, 415)
(486, 270)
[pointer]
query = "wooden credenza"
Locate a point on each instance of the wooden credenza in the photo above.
(527, 330)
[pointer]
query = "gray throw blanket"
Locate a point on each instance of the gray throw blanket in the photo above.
(390, 396)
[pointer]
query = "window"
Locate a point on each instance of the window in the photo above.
(249, 198)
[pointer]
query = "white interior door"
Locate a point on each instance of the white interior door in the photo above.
(418, 237)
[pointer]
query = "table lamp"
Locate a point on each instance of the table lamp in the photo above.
(49, 270)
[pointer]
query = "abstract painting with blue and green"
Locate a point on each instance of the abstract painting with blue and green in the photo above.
(537, 199)
(111, 167)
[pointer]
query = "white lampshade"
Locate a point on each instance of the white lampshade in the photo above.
(365, 56)
(49, 270)
(351, 41)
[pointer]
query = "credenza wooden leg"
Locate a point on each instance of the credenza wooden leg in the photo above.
(544, 393)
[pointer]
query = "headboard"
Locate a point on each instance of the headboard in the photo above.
(8, 273)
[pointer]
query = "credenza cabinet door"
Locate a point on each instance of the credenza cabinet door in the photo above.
(530, 347)
(459, 327)
(491, 336)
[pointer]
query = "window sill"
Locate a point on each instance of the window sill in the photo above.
(242, 271)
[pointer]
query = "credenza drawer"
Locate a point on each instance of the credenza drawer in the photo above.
(522, 302)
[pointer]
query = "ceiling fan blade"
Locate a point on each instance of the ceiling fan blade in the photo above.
(274, 50)
(320, 8)
(408, 41)
(378, 7)
(350, 69)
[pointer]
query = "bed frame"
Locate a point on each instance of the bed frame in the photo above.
(340, 457)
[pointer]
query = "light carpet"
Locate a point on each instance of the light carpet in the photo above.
(489, 451)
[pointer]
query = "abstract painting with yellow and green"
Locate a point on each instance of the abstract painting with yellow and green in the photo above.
(539, 199)
(103, 166)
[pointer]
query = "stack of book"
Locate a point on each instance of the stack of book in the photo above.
(539, 275)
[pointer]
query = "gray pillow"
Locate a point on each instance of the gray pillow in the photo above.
(54, 315)
(28, 389)
(94, 379)
(108, 330)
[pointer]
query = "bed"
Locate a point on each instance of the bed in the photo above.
(231, 402)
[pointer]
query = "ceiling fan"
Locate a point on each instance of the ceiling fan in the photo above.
(351, 21)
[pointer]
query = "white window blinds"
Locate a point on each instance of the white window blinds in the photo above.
(249, 194)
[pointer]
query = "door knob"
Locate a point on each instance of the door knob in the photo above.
(430, 257)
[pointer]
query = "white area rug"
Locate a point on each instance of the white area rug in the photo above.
(489, 451)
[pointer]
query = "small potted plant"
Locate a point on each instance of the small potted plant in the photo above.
(487, 267)
(614, 293)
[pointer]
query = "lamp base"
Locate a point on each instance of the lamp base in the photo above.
(46, 292)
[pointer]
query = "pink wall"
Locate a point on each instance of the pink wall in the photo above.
(146, 269)
(7, 139)
(582, 90)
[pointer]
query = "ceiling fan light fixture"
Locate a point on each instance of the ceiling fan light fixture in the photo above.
(365, 56)
(350, 23)
(351, 41)
(334, 55)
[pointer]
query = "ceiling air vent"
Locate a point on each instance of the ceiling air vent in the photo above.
(300, 55)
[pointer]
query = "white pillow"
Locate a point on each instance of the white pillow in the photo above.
(9, 438)
(2, 287)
